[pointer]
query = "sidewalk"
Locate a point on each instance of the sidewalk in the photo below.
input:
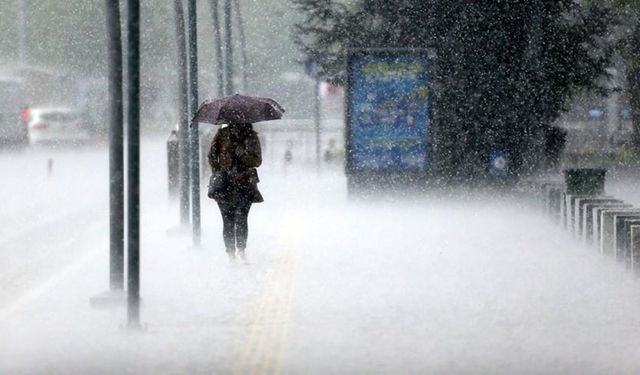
(340, 287)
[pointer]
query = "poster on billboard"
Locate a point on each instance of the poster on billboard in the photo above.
(388, 111)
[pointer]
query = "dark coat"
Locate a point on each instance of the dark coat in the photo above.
(236, 150)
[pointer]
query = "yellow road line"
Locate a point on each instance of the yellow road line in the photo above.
(266, 342)
(284, 332)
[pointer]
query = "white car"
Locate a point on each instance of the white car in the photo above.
(56, 125)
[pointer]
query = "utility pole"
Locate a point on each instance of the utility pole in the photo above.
(133, 164)
(115, 295)
(316, 120)
(195, 136)
(183, 127)
(311, 68)
(217, 39)
(243, 44)
(228, 48)
(116, 148)
(22, 31)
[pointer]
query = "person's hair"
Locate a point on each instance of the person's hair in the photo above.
(241, 124)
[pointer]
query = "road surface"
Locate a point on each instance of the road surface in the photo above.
(466, 284)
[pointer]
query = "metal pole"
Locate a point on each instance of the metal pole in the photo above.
(228, 48)
(183, 128)
(195, 137)
(116, 148)
(22, 31)
(316, 121)
(133, 163)
(243, 44)
(215, 18)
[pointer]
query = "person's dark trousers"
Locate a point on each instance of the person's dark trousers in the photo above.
(235, 227)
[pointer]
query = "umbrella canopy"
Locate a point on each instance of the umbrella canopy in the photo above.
(238, 109)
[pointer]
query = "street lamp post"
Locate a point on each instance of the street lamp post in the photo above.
(215, 18)
(22, 31)
(228, 48)
(183, 127)
(116, 149)
(115, 294)
(195, 136)
(243, 44)
(133, 164)
(317, 122)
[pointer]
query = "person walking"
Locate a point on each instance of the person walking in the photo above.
(235, 151)
(234, 156)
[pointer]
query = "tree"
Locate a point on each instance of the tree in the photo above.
(504, 69)
(630, 48)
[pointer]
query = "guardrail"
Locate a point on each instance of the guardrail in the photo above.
(602, 222)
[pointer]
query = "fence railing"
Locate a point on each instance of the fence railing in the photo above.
(602, 222)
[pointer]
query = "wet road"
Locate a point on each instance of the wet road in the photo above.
(477, 284)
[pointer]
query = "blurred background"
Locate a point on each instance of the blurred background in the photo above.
(54, 57)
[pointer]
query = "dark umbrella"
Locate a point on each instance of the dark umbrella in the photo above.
(238, 109)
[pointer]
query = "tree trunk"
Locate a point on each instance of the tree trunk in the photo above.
(633, 81)
(633, 77)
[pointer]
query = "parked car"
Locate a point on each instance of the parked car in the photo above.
(56, 125)
(13, 129)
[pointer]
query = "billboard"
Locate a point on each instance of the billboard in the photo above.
(388, 111)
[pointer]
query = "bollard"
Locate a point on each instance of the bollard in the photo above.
(608, 229)
(570, 210)
(578, 211)
(555, 202)
(635, 248)
(542, 193)
(173, 164)
(49, 167)
(549, 196)
(288, 156)
(624, 234)
(618, 233)
(588, 212)
(595, 220)
(563, 210)
(544, 198)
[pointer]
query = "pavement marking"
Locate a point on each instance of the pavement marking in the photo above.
(41, 287)
(286, 306)
(49, 284)
(265, 346)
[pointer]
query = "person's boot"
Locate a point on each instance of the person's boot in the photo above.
(232, 257)
(243, 256)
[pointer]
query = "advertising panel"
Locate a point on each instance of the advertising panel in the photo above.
(388, 111)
